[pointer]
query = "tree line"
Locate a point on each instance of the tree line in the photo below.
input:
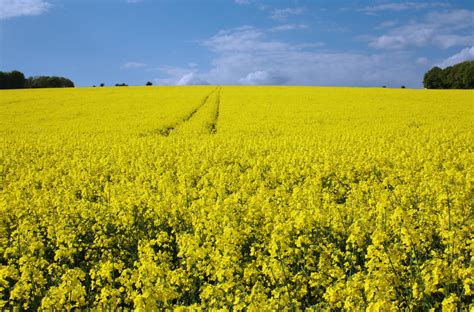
(459, 76)
(16, 80)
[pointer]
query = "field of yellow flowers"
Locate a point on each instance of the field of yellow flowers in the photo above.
(236, 198)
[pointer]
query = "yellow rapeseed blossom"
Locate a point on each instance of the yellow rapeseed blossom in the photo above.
(236, 198)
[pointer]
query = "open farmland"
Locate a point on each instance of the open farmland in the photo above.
(258, 198)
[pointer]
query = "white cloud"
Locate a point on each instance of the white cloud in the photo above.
(464, 55)
(132, 65)
(402, 6)
(283, 14)
(191, 79)
(14, 8)
(257, 77)
(422, 61)
(245, 55)
(243, 39)
(451, 40)
(261, 77)
(441, 29)
(388, 24)
(181, 76)
(242, 2)
(309, 46)
(287, 27)
(174, 71)
(460, 18)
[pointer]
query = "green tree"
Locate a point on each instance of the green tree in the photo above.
(17, 80)
(4, 80)
(459, 76)
(467, 75)
(12, 80)
(433, 79)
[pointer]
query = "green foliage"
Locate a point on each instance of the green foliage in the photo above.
(48, 82)
(459, 76)
(12, 80)
(17, 80)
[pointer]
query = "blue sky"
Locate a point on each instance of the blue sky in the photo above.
(255, 42)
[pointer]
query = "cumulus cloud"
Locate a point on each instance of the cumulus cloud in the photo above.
(441, 29)
(464, 55)
(261, 77)
(246, 55)
(133, 65)
(249, 56)
(14, 8)
(283, 14)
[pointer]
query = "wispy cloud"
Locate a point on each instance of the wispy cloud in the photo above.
(387, 24)
(463, 55)
(133, 65)
(422, 61)
(245, 38)
(402, 6)
(283, 14)
(287, 27)
(443, 29)
(14, 8)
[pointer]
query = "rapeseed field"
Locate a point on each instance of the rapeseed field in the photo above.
(236, 198)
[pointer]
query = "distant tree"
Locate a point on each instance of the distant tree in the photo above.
(467, 75)
(101, 84)
(93, 86)
(433, 79)
(459, 76)
(49, 82)
(12, 80)
(29, 82)
(16, 80)
(54, 82)
(384, 87)
(67, 83)
(451, 79)
(4, 80)
(403, 87)
(121, 85)
(149, 83)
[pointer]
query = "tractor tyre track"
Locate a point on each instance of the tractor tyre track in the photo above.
(213, 127)
(167, 130)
